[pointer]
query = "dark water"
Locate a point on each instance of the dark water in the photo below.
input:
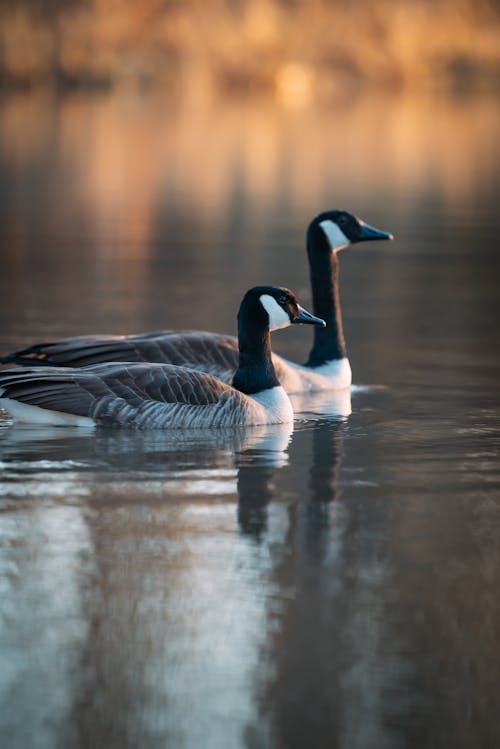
(332, 587)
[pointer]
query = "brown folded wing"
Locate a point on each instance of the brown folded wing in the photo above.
(141, 395)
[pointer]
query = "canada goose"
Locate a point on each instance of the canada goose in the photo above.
(151, 395)
(327, 367)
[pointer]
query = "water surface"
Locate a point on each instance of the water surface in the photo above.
(334, 584)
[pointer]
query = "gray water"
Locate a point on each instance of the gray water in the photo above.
(331, 585)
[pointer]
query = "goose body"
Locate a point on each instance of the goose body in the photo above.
(212, 353)
(327, 367)
(160, 396)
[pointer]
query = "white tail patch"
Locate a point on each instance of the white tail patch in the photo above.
(278, 318)
(22, 412)
(334, 234)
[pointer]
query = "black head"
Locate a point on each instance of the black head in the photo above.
(338, 229)
(274, 307)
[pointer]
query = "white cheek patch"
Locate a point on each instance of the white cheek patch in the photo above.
(334, 234)
(278, 318)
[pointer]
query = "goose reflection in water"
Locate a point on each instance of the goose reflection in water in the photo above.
(140, 575)
(158, 463)
(257, 485)
(171, 604)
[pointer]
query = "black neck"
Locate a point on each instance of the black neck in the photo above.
(255, 368)
(329, 342)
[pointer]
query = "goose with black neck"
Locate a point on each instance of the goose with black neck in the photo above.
(165, 396)
(327, 367)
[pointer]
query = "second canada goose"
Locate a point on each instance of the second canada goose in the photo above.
(327, 367)
(163, 396)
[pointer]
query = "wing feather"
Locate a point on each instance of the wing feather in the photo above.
(211, 353)
(142, 395)
(217, 354)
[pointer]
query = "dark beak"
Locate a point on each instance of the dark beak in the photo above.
(306, 318)
(368, 232)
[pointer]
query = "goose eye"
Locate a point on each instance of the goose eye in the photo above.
(282, 300)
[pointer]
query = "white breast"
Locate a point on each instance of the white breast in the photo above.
(276, 404)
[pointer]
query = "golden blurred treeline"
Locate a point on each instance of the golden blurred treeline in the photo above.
(294, 48)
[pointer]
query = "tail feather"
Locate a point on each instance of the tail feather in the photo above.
(53, 389)
(33, 356)
(70, 354)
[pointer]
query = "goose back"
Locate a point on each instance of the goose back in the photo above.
(212, 353)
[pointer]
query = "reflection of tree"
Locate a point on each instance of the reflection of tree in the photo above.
(151, 572)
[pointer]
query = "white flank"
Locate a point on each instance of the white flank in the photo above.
(334, 234)
(278, 318)
(22, 412)
(334, 375)
(338, 370)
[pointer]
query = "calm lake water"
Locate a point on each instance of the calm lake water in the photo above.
(334, 585)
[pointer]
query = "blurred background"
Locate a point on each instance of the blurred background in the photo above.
(157, 158)
(293, 49)
(147, 148)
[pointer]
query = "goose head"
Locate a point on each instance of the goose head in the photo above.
(274, 307)
(264, 308)
(336, 230)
